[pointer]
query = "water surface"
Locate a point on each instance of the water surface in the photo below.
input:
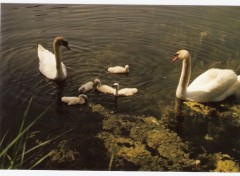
(145, 37)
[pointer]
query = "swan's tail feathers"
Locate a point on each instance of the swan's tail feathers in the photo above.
(44, 54)
(41, 50)
(40, 47)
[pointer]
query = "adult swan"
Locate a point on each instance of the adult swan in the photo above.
(50, 65)
(212, 86)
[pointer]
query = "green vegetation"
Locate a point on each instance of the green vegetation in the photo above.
(17, 154)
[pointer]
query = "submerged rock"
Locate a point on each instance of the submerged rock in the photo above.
(142, 143)
(114, 141)
(63, 153)
(224, 163)
(200, 108)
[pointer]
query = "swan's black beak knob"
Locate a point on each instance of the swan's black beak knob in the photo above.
(65, 43)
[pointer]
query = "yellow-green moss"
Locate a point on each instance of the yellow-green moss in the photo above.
(224, 163)
(200, 108)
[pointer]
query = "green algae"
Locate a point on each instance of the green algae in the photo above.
(200, 108)
(145, 143)
(142, 143)
(226, 166)
(63, 153)
(224, 163)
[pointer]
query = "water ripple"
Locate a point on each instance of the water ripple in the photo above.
(144, 37)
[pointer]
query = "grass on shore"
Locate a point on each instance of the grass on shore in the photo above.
(15, 154)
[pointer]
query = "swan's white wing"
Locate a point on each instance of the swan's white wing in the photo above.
(212, 85)
(214, 79)
(47, 62)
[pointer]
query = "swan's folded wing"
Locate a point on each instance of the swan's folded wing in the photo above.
(46, 62)
(214, 81)
(45, 56)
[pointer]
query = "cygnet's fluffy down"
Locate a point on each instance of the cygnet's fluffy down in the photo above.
(81, 99)
(103, 88)
(125, 91)
(85, 88)
(119, 69)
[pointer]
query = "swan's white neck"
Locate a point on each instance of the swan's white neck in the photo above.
(181, 92)
(58, 55)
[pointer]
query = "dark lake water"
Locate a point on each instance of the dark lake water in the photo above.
(145, 37)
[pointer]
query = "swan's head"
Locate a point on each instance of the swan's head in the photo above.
(61, 41)
(181, 54)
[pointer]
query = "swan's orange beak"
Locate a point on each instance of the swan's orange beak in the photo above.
(175, 58)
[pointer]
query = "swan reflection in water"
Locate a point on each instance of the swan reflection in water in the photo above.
(206, 132)
(56, 94)
(189, 116)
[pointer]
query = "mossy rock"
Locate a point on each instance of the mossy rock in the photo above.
(200, 108)
(142, 143)
(224, 163)
(63, 153)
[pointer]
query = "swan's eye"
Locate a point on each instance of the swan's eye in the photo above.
(176, 54)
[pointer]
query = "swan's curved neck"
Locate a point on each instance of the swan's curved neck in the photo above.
(58, 55)
(184, 78)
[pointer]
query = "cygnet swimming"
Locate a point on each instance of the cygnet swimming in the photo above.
(103, 88)
(119, 69)
(85, 88)
(81, 99)
(124, 91)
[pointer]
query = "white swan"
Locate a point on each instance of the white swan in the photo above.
(81, 99)
(103, 88)
(85, 88)
(124, 91)
(119, 69)
(50, 65)
(212, 86)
